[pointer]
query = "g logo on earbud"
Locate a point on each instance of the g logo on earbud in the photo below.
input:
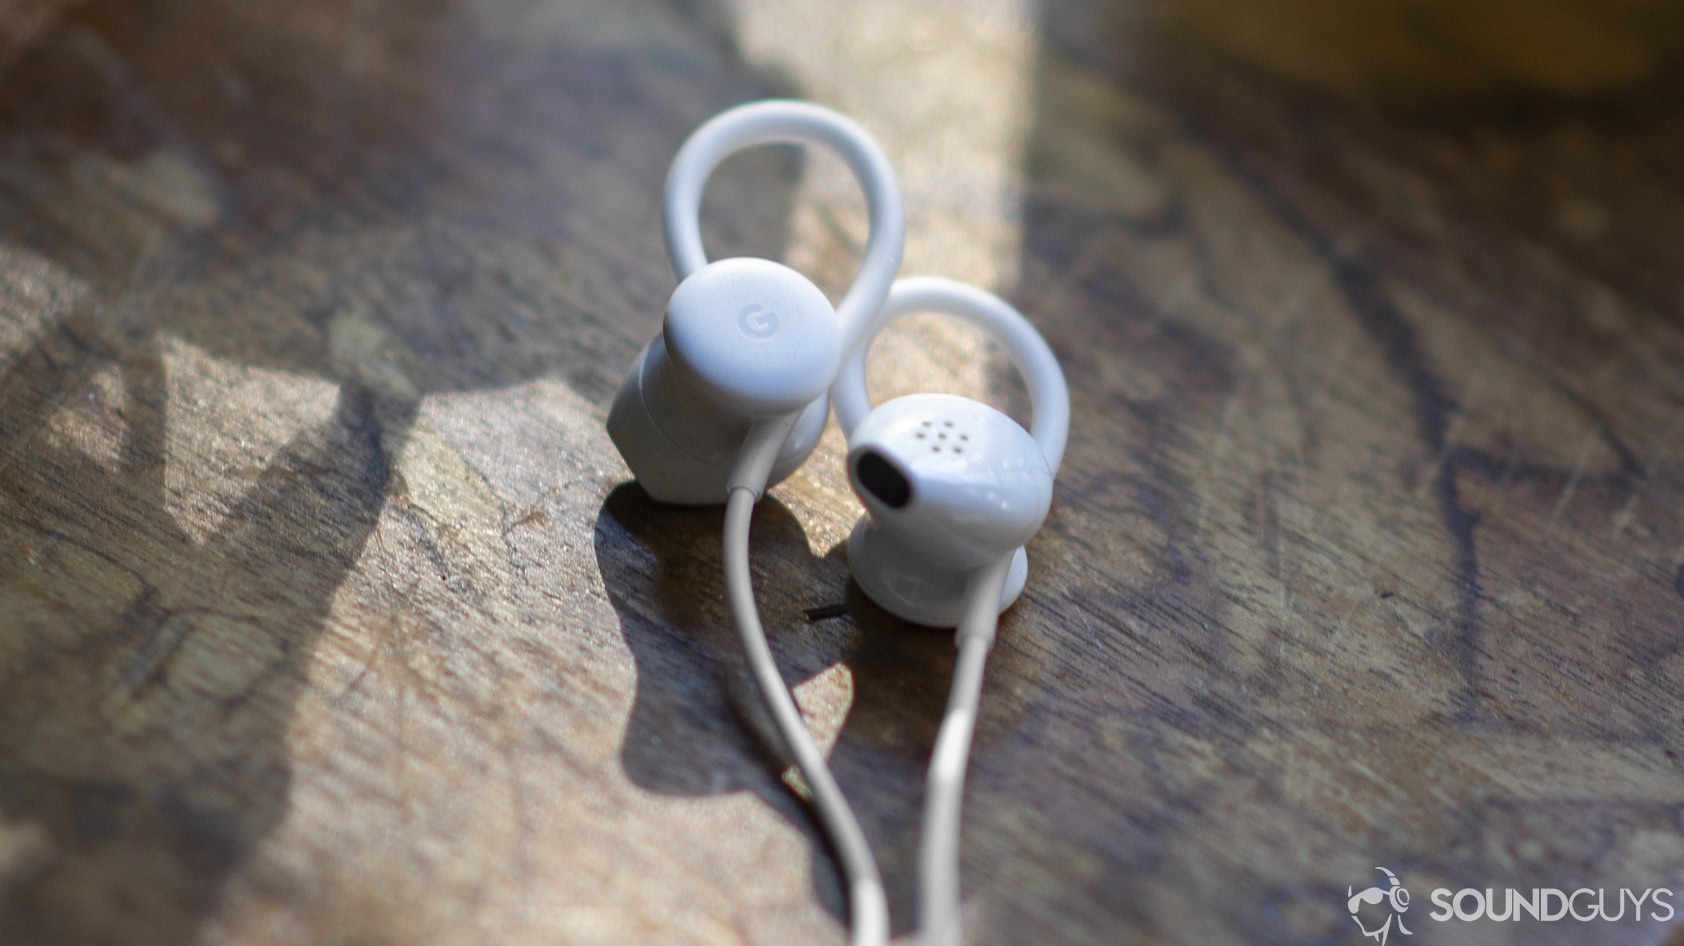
(757, 322)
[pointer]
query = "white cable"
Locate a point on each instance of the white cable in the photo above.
(938, 846)
(867, 902)
(780, 121)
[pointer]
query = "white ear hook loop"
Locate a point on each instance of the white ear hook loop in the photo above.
(1049, 397)
(788, 122)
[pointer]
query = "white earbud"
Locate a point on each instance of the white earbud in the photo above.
(749, 346)
(952, 489)
(731, 399)
(950, 485)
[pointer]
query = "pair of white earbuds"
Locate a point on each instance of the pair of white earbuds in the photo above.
(732, 397)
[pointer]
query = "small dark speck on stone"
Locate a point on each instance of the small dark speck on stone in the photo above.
(826, 612)
(1388, 594)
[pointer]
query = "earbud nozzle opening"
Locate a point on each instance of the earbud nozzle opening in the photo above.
(882, 479)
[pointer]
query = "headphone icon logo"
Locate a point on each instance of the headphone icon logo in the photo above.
(757, 322)
(1393, 895)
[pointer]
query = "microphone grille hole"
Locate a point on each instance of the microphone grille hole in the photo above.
(881, 479)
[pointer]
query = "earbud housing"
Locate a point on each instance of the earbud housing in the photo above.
(744, 340)
(949, 485)
(753, 337)
(748, 346)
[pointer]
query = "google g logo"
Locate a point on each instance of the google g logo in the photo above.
(757, 322)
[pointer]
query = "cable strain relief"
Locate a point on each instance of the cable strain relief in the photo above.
(980, 618)
(760, 453)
